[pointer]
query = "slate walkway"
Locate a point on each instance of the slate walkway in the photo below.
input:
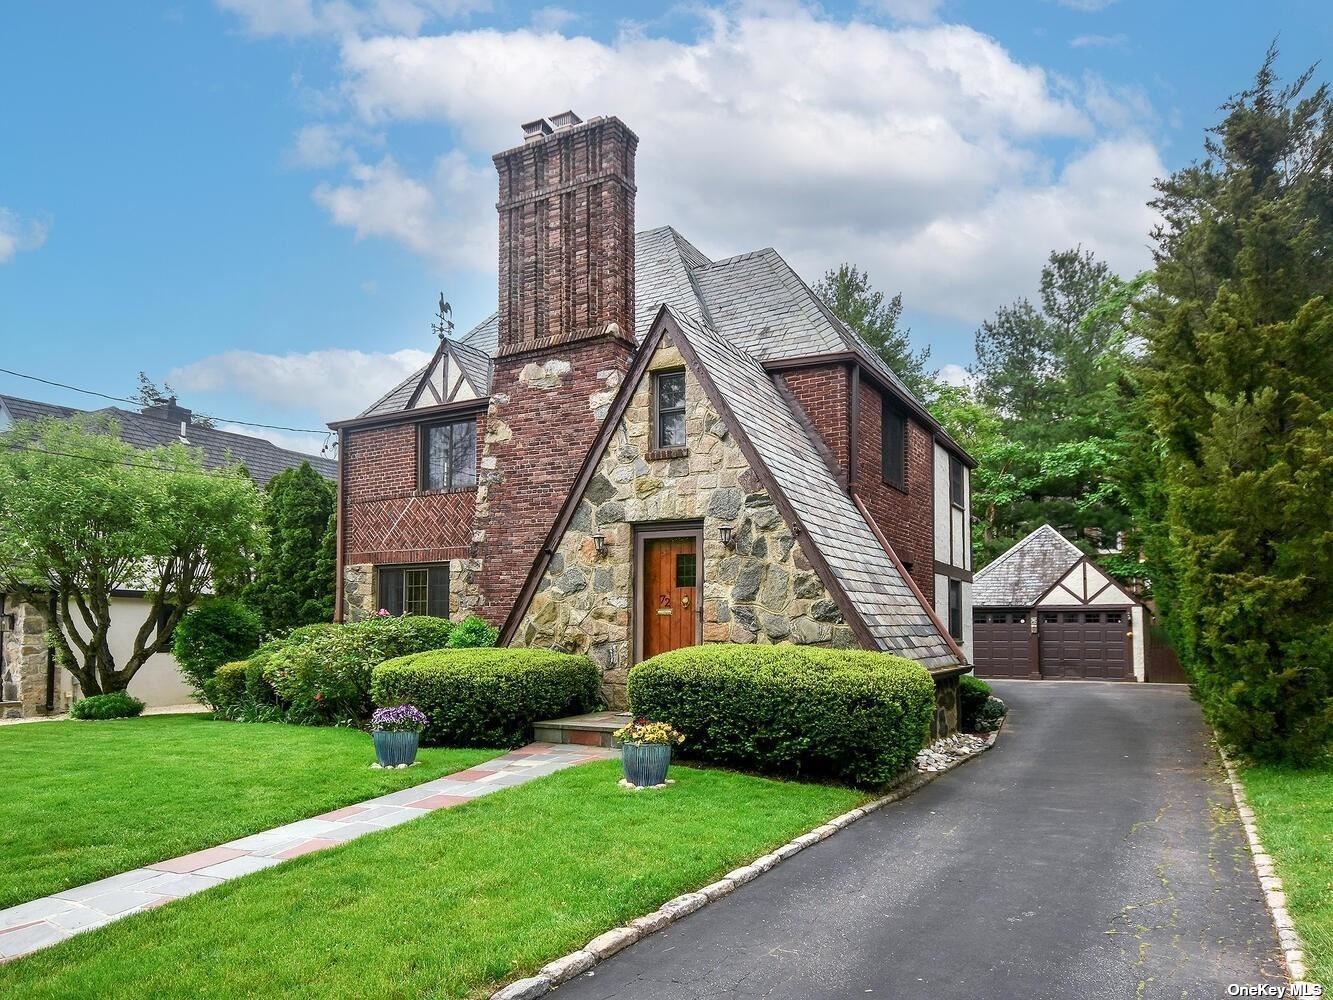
(43, 922)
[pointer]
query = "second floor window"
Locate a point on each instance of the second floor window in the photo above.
(669, 407)
(449, 455)
(893, 443)
(957, 494)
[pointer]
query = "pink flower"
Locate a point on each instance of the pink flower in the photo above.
(319, 696)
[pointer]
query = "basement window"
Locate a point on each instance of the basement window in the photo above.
(448, 455)
(669, 410)
(415, 590)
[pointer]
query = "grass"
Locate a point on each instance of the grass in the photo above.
(448, 905)
(84, 800)
(1294, 812)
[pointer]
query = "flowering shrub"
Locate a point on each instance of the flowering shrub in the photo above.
(643, 731)
(398, 719)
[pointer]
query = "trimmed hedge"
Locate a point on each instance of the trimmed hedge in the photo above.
(850, 715)
(487, 697)
(218, 631)
(116, 705)
(972, 695)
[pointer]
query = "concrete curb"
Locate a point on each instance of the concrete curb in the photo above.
(603, 946)
(1293, 949)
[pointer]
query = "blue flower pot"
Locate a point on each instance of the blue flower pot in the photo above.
(646, 763)
(392, 749)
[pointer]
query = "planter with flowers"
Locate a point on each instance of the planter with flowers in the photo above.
(397, 731)
(646, 752)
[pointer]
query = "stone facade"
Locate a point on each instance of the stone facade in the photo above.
(945, 721)
(761, 589)
(25, 659)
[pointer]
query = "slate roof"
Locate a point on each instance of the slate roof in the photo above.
(867, 575)
(261, 457)
(1021, 575)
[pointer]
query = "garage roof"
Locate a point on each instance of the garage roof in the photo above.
(1019, 577)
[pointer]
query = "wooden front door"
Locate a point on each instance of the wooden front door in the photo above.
(670, 599)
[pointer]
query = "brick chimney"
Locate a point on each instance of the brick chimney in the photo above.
(566, 232)
(566, 212)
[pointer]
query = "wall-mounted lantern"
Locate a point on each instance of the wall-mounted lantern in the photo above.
(725, 531)
(599, 540)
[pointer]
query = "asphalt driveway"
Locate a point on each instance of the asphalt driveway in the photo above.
(1094, 852)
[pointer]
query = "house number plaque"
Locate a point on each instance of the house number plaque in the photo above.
(664, 605)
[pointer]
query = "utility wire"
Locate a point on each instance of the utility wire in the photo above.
(136, 402)
(119, 461)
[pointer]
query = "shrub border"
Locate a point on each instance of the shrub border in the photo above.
(1289, 939)
(604, 945)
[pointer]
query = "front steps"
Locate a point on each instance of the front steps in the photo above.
(591, 730)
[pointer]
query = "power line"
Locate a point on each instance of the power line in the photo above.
(136, 402)
(120, 461)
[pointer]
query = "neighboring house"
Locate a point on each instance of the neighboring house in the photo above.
(31, 683)
(645, 449)
(1044, 610)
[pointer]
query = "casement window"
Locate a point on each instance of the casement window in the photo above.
(448, 455)
(669, 410)
(893, 445)
(956, 608)
(957, 492)
(415, 590)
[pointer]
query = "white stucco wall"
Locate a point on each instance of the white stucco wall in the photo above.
(158, 681)
(953, 542)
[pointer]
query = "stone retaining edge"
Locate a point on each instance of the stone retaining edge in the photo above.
(1293, 948)
(603, 946)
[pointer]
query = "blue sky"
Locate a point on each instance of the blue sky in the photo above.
(261, 199)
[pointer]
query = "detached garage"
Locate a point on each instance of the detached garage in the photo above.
(1043, 610)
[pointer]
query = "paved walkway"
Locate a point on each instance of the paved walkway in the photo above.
(1095, 852)
(42, 922)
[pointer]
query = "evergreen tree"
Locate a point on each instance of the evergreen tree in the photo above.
(848, 292)
(294, 580)
(1238, 385)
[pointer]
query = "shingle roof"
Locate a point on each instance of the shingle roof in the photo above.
(476, 365)
(893, 614)
(261, 457)
(1021, 575)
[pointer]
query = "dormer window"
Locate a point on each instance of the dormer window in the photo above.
(449, 455)
(669, 410)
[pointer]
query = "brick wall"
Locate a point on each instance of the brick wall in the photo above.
(906, 518)
(385, 520)
(545, 411)
(823, 394)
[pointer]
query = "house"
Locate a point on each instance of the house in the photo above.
(644, 449)
(1044, 610)
(31, 682)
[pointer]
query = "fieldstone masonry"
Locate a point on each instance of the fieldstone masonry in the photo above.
(23, 675)
(761, 589)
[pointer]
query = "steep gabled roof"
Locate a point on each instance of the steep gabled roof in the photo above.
(1030, 568)
(261, 457)
(853, 562)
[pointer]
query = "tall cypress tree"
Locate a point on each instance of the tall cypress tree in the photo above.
(294, 581)
(1238, 387)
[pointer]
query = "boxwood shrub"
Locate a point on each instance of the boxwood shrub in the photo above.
(852, 716)
(487, 697)
(972, 695)
(321, 674)
(225, 690)
(116, 705)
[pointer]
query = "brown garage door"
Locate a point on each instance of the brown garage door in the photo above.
(1085, 644)
(1000, 643)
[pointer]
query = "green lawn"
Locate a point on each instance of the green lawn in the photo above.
(84, 800)
(448, 905)
(1294, 810)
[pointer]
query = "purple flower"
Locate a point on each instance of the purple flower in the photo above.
(398, 719)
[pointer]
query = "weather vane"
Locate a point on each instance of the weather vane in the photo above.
(444, 319)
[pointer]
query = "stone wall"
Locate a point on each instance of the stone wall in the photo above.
(23, 678)
(762, 589)
(945, 721)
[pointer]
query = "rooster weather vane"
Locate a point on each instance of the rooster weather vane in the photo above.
(444, 319)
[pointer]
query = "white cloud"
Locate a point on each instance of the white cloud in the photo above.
(917, 152)
(911, 11)
(952, 374)
(323, 145)
(448, 216)
(294, 18)
(552, 18)
(19, 234)
(1097, 41)
(1087, 6)
(338, 383)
